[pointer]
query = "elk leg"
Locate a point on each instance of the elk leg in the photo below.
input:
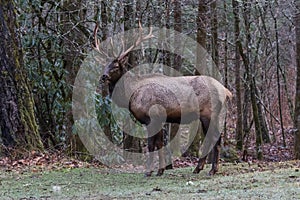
(200, 165)
(168, 152)
(217, 147)
(151, 147)
(205, 125)
(216, 156)
(159, 143)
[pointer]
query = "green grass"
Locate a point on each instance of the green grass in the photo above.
(234, 181)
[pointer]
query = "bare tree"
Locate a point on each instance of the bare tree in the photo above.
(201, 39)
(177, 64)
(214, 33)
(278, 67)
(73, 40)
(130, 143)
(239, 123)
(297, 101)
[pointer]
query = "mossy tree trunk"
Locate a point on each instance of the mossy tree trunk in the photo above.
(19, 128)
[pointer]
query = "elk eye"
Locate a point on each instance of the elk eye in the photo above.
(114, 69)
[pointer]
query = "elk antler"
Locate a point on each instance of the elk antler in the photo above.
(139, 40)
(97, 41)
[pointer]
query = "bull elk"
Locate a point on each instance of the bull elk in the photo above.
(156, 98)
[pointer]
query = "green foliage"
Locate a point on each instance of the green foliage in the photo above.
(43, 58)
(110, 115)
(106, 118)
(56, 36)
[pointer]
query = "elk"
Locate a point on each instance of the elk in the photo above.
(156, 98)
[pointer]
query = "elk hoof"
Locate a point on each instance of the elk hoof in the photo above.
(196, 170)
(160, 172)
(148, 174)
(170, 166)
(212, 172)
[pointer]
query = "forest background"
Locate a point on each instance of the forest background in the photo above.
(254, 44)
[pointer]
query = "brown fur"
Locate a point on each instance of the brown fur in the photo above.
(154, 99)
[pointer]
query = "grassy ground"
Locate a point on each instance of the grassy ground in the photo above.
(234, 181)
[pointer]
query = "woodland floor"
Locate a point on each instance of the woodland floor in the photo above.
(54, 176)
(46, 178)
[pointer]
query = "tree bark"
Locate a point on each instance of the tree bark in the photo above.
(225, 61)
(104, 90)
(201, 61)
(177, 64)
(130, 143)
(17, 119)
(239, 123)
(72, 58)
(177, 27)
(201, 34)
(278, 67)
(260, 124)
(297, 100)
(214, 33)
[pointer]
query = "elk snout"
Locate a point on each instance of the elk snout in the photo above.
(104, 78)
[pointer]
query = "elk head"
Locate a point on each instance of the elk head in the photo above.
(114, 71)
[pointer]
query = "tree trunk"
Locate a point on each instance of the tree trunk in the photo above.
(104, 20)
(278, 67)
(258, 128)
(262, 119)
(201, 35)
(104, 29)
(130, 143)
(177, 42)
(72, 57)
(239, 123)
(214, 33)
(225, 62)
(297, 101)
(260, 124)
(166, 60)
(201, 21)
(177, 62)
(17, 119)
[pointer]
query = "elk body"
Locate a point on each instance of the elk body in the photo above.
(155, 99)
